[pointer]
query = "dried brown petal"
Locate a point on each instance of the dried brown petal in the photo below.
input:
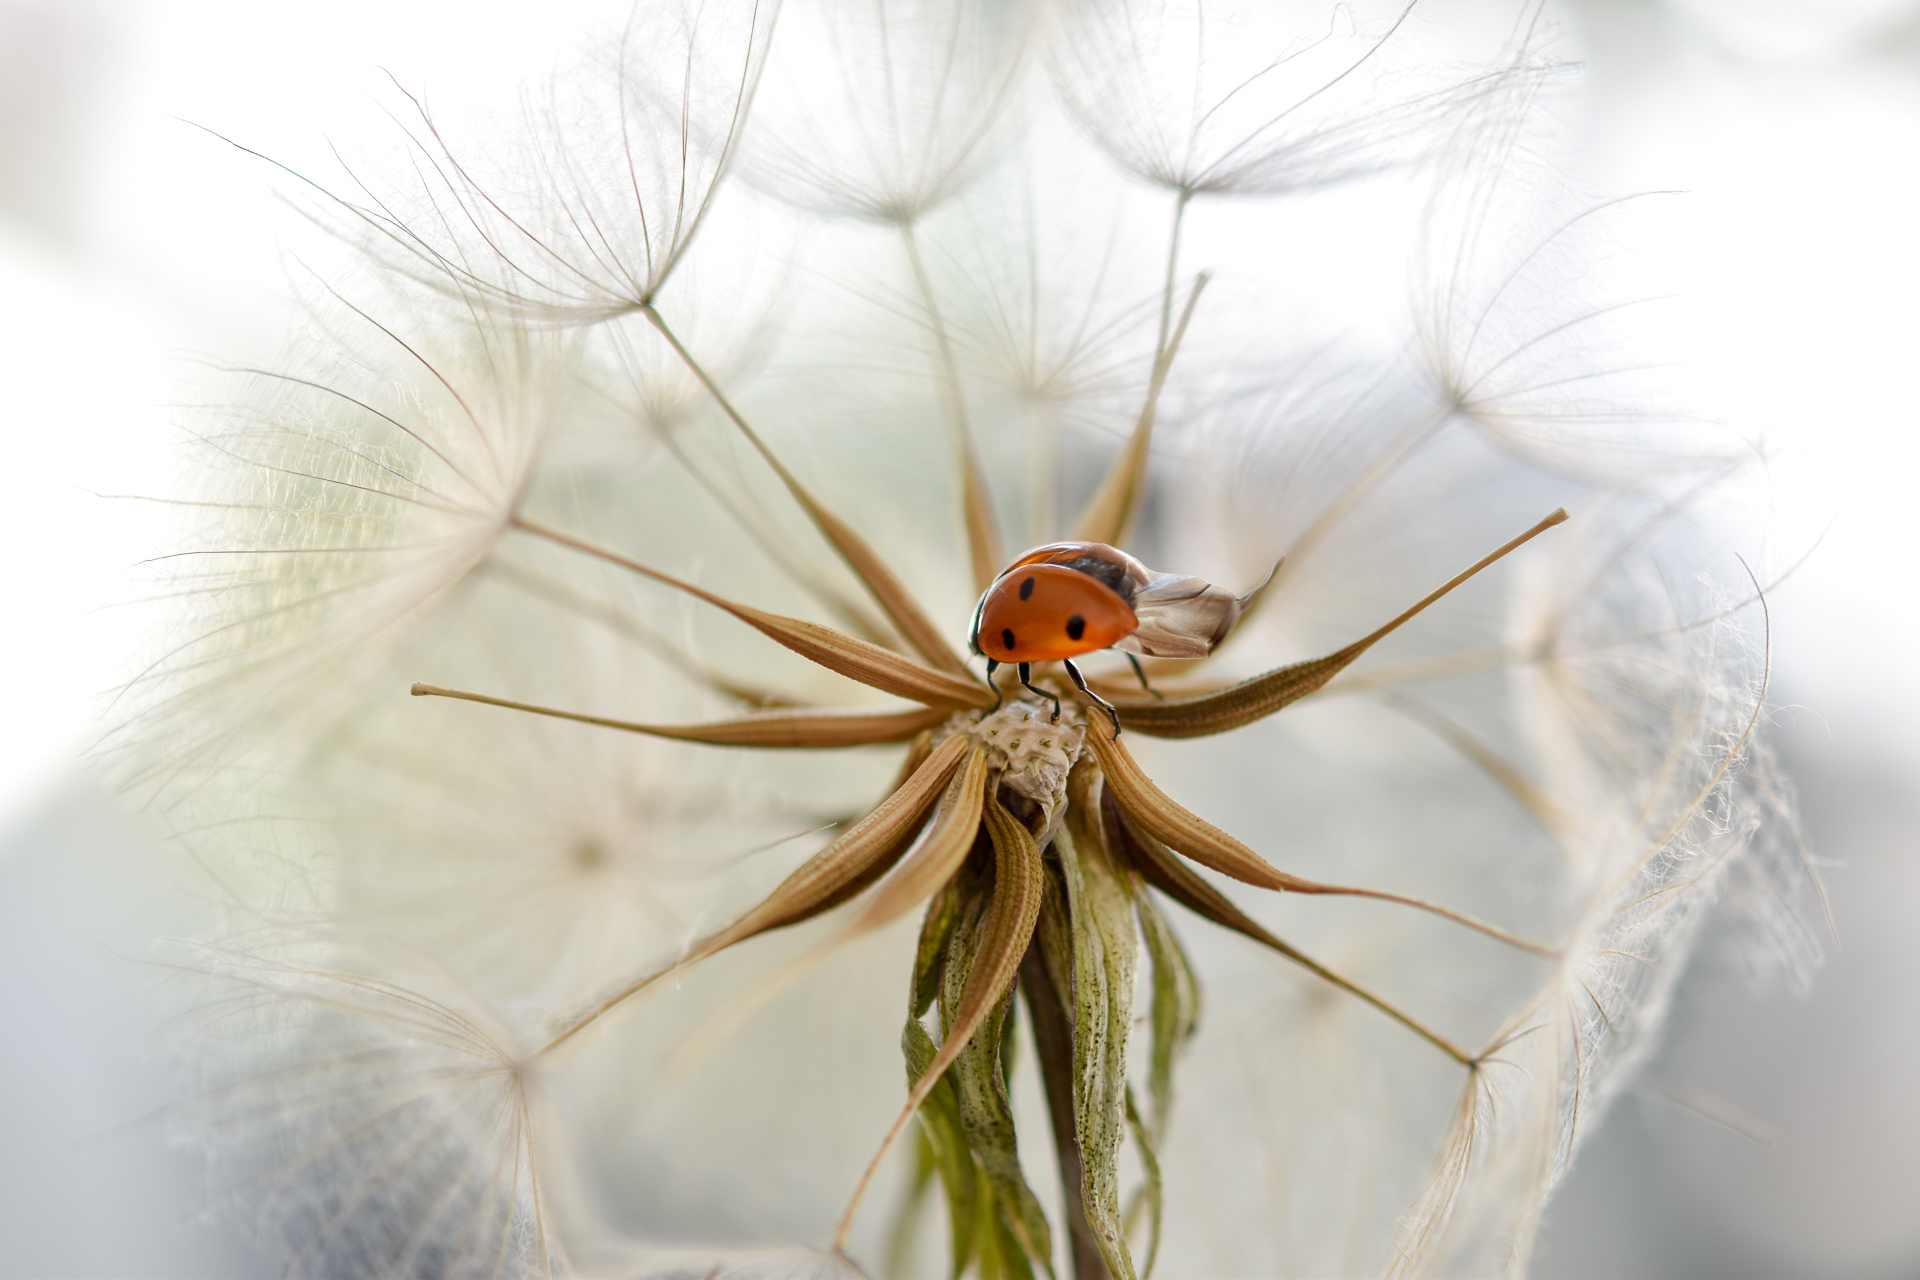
(1185, 832)
(891, 594)
(1111, 509)
(1159, 867)
(1010, 922)
(850, 656)
(975, 1077)
(1255, 699)
(949, 837)
(829, 878)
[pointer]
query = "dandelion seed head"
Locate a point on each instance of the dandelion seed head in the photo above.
(693, 479)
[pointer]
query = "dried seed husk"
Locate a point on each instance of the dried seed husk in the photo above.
(1104, 947)
(796, 727)
(1156, 813)
(915, 627)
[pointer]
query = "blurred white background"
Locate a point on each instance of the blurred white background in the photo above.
(131, 241)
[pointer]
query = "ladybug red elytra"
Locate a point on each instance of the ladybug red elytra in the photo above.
(1065, 599)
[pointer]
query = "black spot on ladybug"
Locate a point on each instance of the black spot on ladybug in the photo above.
(1026, 589)
(1006, 638)
(1076, 627)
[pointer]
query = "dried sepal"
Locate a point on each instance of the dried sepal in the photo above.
(795, 727)
(949, 837)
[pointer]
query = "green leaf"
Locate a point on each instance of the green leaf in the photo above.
(952, 1159)
(1100, 912)
(1176, 1007)
(906, 1220)
(1147, 1144)
(980, 1091)
(930, 958)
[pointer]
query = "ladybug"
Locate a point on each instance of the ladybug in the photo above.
(1064, 599)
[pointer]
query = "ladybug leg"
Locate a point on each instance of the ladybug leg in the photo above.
(1140, 671)
(998, 697)
(1101, 702)
(1026, 680)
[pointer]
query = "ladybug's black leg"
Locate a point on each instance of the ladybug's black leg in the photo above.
(998, 697)
(1026, 674)
(1104, 705)
(1141, 672)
